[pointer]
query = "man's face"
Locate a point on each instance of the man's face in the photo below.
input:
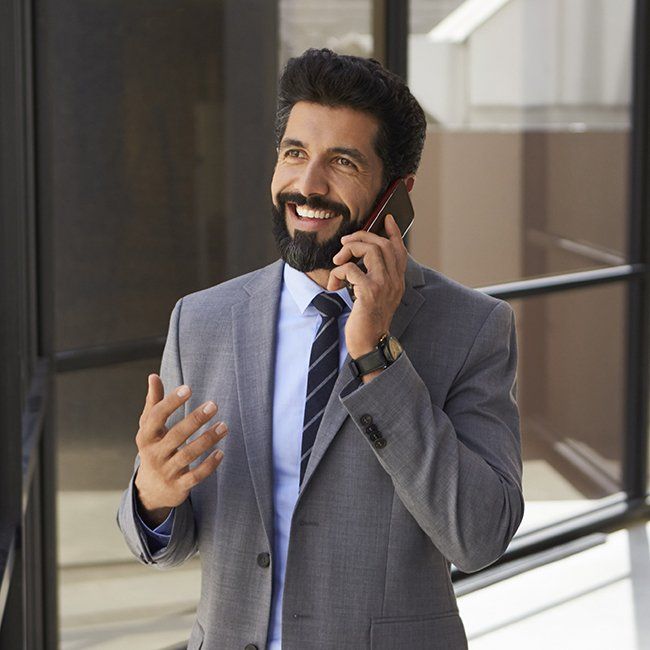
(326, 182)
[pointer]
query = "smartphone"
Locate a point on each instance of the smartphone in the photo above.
(395, 200)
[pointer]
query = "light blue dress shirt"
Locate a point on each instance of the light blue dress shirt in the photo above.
(298, 321)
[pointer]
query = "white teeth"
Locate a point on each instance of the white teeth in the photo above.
(313, 214)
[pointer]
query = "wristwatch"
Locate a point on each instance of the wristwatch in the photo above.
(387, 351)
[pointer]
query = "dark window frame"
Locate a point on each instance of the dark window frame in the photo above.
(28, 594)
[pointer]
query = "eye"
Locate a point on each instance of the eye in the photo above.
(293, 153)
(345, 162)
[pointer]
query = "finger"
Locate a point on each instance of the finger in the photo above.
(347, 272)
(394, 234)
(385, 243)
(397, 241)
(190, 424)
(155, 393)
(194, 477)
(379, 259)
(157, 415)
(363, 235)
(188, 453)
(371, 254)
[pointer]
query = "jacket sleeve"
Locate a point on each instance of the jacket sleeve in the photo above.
(182, 543)
(458, 469)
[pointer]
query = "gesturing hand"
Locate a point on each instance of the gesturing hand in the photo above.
(379, 291)
(164, 479)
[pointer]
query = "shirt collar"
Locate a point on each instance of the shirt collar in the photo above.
(303, 289)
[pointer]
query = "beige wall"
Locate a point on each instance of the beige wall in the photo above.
(467, 204)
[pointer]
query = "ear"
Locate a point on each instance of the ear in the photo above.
(409, 181)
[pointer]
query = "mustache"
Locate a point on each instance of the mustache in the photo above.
(313, 202)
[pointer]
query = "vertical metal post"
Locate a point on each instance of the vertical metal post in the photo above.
(390, 30)
(11, 259)
(28, 591)
(390, 20)
(45, 481)
(636, 441)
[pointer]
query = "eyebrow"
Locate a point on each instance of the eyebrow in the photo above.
(353, 153)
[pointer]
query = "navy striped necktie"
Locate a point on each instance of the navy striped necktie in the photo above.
(323, 370)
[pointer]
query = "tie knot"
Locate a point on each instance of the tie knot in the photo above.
(330, 305)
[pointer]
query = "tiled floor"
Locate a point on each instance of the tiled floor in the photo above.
(598, 599)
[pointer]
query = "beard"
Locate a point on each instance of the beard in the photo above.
(303, 251)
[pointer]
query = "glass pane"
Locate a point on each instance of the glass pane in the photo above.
(571, 382)
(139, 126)
(341, 25)
(525, 167)
(105, 595)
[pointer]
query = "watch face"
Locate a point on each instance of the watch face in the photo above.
(394, 347)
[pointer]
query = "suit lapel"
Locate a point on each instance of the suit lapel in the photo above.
(254, 341)
(335, 413)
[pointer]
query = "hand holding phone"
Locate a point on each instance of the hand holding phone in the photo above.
(379, 291)
(395, 201)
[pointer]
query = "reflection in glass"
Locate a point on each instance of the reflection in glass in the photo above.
(133, 143)
(104, 593)
(571, 382)
(97, 419)
(344, 26)
(525, 168)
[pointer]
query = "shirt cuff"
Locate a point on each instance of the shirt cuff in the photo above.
(159, 537)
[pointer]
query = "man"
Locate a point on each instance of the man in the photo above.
(331, 512)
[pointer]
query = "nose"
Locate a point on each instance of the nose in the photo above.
(313, 179)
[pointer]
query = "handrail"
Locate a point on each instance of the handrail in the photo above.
(109, 354)
(565, 281)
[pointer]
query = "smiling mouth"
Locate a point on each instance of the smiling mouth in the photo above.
(303, 213)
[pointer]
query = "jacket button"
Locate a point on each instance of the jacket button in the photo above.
(251, 646)
(380, 443)
(366, 420)
(264, 560)
(375, 436)
(371, 429)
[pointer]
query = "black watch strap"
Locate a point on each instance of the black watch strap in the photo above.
(367, 363)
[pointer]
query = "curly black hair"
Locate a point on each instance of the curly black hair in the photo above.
(331, 79)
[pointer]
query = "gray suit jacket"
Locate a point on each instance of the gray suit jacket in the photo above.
(374, 530)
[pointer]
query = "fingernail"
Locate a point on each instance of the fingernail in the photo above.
(209, 407)
(218, 454)
(183, 391)
(221, 427)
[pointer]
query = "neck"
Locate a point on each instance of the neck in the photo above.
(319, 276)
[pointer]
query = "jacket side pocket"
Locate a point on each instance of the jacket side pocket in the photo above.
(437, 632)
